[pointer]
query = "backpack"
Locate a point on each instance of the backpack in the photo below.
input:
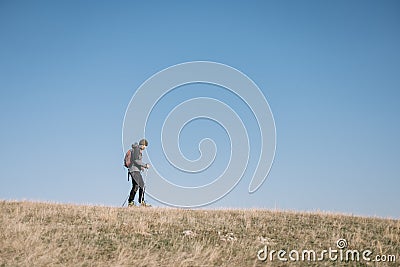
(128, 159)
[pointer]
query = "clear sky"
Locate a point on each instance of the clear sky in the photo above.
(330, 71)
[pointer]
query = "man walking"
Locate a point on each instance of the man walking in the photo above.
(134, 170)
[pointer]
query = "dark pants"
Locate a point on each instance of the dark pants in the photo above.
(134, 189)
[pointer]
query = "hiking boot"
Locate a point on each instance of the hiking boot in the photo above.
(144, 204)
(131, 204)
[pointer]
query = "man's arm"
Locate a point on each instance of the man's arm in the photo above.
(136, 158)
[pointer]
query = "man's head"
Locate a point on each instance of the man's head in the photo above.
(143, 144)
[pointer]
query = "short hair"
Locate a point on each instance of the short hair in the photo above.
(143, 142)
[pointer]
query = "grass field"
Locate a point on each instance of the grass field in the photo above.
(43, 234)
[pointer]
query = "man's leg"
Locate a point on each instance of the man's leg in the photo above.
(141, 195)
(135, 187)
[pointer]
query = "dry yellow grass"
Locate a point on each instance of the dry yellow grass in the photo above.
(43, 234)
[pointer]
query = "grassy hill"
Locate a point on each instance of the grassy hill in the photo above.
(42, 234)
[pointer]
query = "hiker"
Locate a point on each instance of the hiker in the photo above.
(134, 171)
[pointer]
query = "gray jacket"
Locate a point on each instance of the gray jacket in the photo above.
(137, 164)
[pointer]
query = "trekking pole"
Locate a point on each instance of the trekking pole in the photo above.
(123, 204)
(144, 186)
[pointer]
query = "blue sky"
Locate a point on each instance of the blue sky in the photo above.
(329, 70)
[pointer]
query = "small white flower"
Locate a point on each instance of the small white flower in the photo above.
(189, 233)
